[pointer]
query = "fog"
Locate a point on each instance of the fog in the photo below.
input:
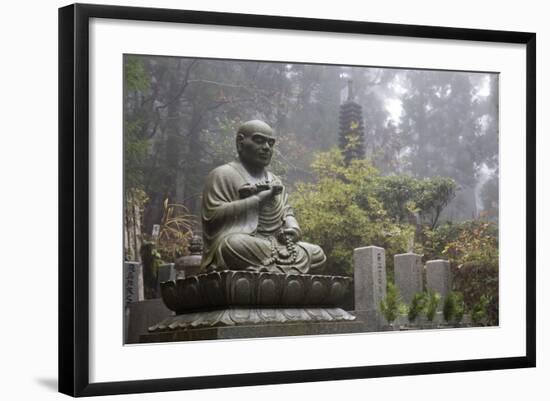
(181, 115)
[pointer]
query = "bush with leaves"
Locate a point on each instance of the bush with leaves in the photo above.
(431, 306)
(405, 197)
(453, 307)
(474, 255)
(350, 206)
(472, 249)
(175, 231)
(391, 306)
(479, 312)
(418, 306)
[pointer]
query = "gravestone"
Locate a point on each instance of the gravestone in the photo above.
(133, 282)
(438, 277)
(133, 287)
(369, 265)
(408, 275)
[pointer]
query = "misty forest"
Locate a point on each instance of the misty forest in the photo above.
(403, 159)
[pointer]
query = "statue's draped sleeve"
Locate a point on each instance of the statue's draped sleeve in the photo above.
(223, 213)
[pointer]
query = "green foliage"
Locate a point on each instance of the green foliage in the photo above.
(340, 211)
(418, 306)
(460, 307)
(391, 305)
(397, 193)
(479, 312)
(472, 249)
(353, 205)
(434, 241)
(474, 257)
(404, 197)
(135, 76)
(433, 302)
(433, 194)
(175, 231)
(476, 243)
(453, 307)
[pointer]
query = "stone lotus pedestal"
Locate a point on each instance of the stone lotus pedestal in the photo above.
(236, 304)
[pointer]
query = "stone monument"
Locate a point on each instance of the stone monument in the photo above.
(408, 275)
(255, 268)
(369, 264)
(133, 282)
(438, 278)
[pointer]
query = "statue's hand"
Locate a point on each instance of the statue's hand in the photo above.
(266, 195)
(246, 190)
(277, 188)
(289, 234)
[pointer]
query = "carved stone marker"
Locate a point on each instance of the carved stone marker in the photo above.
(369, 264)
(438, 277)
(408, 275)
(133, 282)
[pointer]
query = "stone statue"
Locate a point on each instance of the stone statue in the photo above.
(246, 219)
(255, 271)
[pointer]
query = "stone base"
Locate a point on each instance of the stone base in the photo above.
(371, 318)
(251, 289)
(245, 316)
(139, 316)
(254, 331)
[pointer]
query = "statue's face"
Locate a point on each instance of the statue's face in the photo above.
(255, 149)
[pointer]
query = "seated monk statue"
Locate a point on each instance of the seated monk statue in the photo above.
(246, 219)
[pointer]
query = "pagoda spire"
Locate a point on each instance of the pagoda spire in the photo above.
(352, 130)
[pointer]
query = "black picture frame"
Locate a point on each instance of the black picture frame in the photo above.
(74, 194)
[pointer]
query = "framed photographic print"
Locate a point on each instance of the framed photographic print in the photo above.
(290, 198)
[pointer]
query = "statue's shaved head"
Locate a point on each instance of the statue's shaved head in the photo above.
(255, 126)
(255, 144)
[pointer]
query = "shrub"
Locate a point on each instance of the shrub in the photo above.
(431, 307)
(418, 306)
(479, 313)
(453, 307)
(175, 231)
(391, 305)
(350, 206)
(472, 249)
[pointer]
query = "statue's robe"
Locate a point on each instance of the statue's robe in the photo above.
(241, 234)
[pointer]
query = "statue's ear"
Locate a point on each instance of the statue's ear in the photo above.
(239, 141)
